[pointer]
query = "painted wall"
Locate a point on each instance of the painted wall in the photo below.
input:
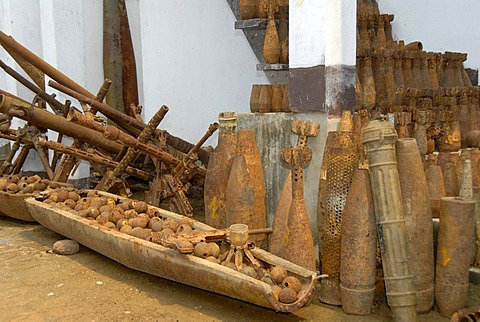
(195, 62)
(441, 25)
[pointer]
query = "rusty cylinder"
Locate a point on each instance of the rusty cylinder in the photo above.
(358, 247)
(219, 165)
(247, 147)
(453, 254)
(44, 119)
(340, 160)
(448, 162)
(418, 220)
(239, 196)
(436, 188)
(379, 138)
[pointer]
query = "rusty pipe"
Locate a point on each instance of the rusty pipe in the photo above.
(56, 105)
(114, 134)
(130, 124)
(93, 158)
(13, 45)
(44, 119)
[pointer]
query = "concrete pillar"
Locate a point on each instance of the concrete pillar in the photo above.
(322, 55)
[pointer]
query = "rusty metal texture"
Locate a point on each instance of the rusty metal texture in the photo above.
(453, 255)
(340, 160)
(219, 165)
(304, 130)
(93, 158)
(239, 196)
(129, 124)
(42, 118)
(247, 147)
(119, 57)
(110, 177)
(379, 138)
(167, 263)
(436, 188)
(358, 247)
(475, 158)
(298, 239)
(448, 162)
(56, 106)
(418, 221)
(113, 134)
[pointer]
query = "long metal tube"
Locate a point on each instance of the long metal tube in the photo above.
(130, 124)
(44, 119)
(379, 138)
(80, 154)
(114, 134)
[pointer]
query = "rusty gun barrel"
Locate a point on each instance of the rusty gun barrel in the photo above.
(43, 119)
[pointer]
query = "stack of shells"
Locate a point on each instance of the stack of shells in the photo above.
(427, 96)
(426, 91)
(270, 98)
(234, 189)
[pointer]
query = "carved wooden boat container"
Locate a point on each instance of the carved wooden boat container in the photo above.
(155, 259)
(14, 206)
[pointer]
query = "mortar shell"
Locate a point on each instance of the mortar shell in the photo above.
(358, 247)
(418, 221)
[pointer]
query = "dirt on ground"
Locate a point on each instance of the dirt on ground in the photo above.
(38, 285)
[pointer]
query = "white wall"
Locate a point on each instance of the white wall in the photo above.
(195, 62)
(441, 25)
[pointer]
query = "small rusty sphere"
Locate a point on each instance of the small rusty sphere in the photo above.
(92, 212)
(278, 273)
(202, 250)
(126, 204)
(92, 194)
(140, 221)
(292, 282)
(249, 271)
(103, 218)
(12, 187)
(129, 214)
(3, 185)
(13, 178)
(29, 188)
(184, 229)
(62, 195)
(22, 184)
(126, 229)
(214, 249)
(276, 290)
(34, 179)
(165, 233)
(158, 226)
(70, 203)
(39, 186)
(73, 195)
(170, 223)
(121, 223)
(140, 206)
(48, 202)
(105, 208)
(185, 221)
(287, 295)
(152, 221)
(117, 214)
(153, 212)
(140, 232)
(110, 224)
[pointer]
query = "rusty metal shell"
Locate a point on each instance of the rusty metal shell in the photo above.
(418, 221)
(340, 160)
(218, 170)
(247, 147)
(358, 247)
(453, 255)
(448, 162)
(436, 188)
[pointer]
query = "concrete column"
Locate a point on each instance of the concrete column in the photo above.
(307, 55)
(322, 55)
(340, 55)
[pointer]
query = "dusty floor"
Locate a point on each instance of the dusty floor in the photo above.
(37, 285)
